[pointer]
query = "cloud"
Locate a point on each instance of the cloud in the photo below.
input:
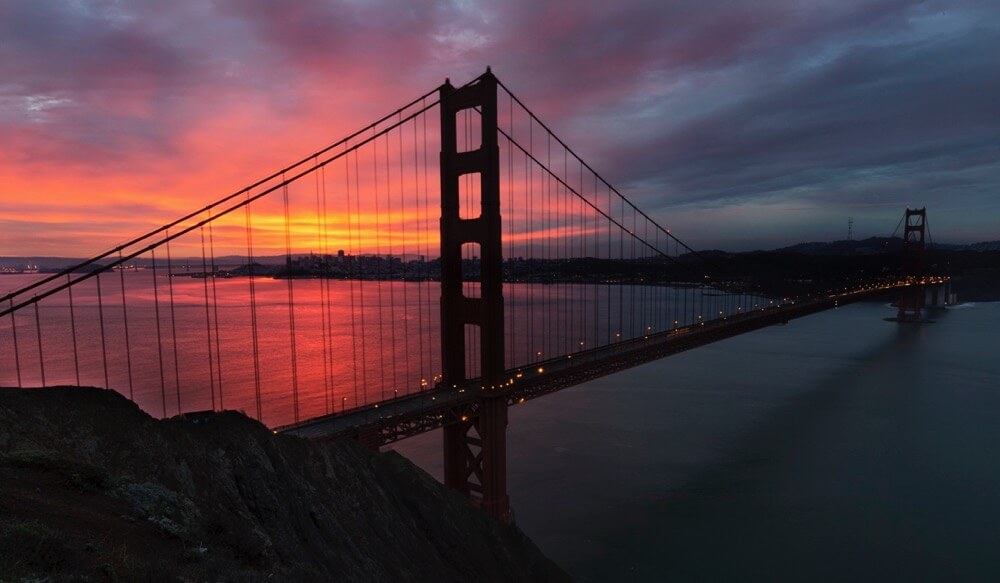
(874, 109)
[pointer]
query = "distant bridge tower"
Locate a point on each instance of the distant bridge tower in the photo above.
(475, 445)
(912, 301)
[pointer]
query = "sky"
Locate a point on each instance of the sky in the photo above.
(741, 125)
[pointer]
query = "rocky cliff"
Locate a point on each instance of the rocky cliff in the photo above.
(92, 488)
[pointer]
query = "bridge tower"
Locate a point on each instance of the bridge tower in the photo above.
(912, 301)
(475, 445)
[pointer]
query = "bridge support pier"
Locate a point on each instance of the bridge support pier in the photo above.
(475, 456)
(475, 446)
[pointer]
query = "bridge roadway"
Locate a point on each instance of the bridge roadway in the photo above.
(402, 417)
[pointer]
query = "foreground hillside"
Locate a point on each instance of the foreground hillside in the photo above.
(94, 489)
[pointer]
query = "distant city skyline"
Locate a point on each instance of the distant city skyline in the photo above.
(748, 126)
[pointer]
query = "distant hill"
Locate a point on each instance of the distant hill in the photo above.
(985, 246)
(869, 246)
(874, 245)
(50, 264)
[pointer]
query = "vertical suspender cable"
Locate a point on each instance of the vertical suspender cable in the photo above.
(128, 346)
(253, 308)
(351, 275)
(324, 277)
(378, 270)
(326, 286)
(38, 334)
(652, 280)
(159, 335)
(634, 261)
(611, 265)
(431, 353)
(701, 299)
(621, 284)
(531, 214)
(407, 379)
(389, 274)
(291, 302)
(208, 319)
(551, 247)
(173, 322)
(72, 327)
(215, 312)
(100, 314)
(583, 254)
(420, 277)
(593, 226)
(17, 353)
(361, 277)
(565, 236)
(511, 320)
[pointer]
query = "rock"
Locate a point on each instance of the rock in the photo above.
(270, 507)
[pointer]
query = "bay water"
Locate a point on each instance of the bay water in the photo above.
(837, 447)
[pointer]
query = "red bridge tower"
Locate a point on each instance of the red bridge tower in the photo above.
(475, 446)
(912, 301)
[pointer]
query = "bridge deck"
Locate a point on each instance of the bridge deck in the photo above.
(403, 417)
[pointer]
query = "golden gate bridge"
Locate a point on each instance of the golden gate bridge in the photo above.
(401, 280)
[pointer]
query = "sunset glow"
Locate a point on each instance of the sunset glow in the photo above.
(118, 118)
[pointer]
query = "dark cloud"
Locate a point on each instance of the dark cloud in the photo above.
(905, 107)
